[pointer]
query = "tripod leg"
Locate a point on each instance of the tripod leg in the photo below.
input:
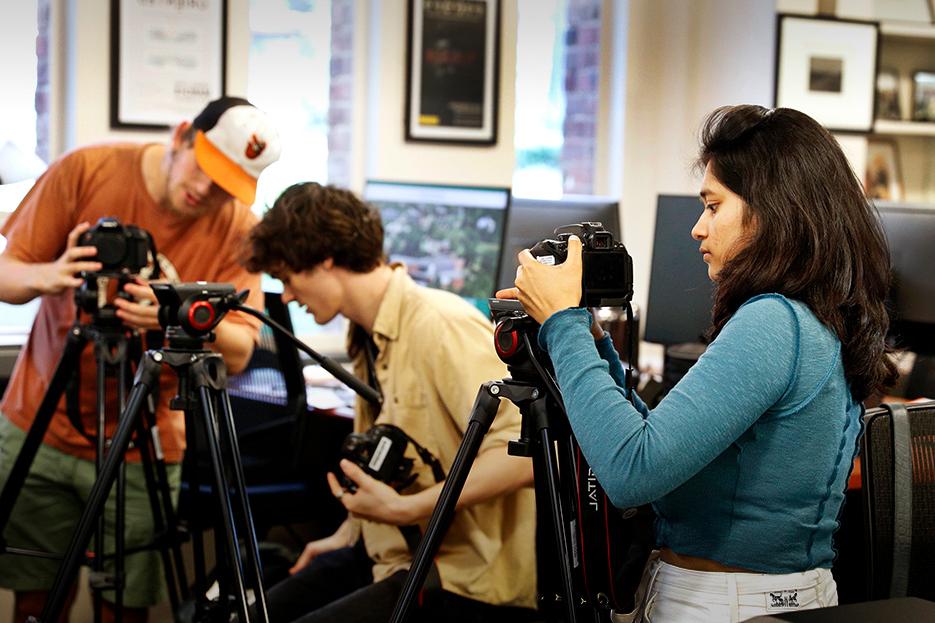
(482, 414)
(74, 344)
(148, 375)
(164, 517)
(191, 497)
(240, 488)
(155, 490)
(547, 460)
(121, 499)
(97, 579)
(223, 493)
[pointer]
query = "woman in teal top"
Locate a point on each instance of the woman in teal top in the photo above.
(746, 460)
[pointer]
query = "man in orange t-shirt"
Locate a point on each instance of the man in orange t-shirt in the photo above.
(193, 196)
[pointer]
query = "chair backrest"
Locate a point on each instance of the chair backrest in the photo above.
(269, 398)
(898, 476)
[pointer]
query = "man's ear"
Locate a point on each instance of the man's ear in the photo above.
(328, 264)
(178, 133)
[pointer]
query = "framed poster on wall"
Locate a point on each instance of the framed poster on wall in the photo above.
(167, 60)
(453, 71)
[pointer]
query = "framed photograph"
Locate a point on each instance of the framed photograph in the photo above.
(883, 178)
(827, 69)
(168, 60)
(888, 94)
(453, 71)
(923, 95)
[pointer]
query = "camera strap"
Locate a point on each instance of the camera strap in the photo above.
(370, 352)
(411, 534)
(127, 350)
(428, 458)
(72, 402)
(630, 381)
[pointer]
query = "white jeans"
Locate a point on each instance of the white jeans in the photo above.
(677, 595)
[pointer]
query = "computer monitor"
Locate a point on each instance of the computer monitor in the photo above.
(449, 237)
(679, 306)
(910, 234)
(531, 220)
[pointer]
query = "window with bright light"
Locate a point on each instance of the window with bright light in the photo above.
(540, 97)
(18, 31)
(289, 78)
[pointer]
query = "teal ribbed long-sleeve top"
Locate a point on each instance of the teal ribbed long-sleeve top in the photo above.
(746, 460)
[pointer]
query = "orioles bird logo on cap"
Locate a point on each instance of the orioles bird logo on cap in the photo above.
(255, 147)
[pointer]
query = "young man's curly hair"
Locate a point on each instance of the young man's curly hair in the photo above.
(309, 223)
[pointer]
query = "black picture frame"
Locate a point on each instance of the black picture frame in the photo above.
(166, 61)
(827, 67)
(453, 71)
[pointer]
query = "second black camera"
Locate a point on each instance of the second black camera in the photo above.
(120, 248)
(607, 269)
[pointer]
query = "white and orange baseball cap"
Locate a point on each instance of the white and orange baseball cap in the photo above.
(234, 142)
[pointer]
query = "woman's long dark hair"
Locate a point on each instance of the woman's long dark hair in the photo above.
(817, 239)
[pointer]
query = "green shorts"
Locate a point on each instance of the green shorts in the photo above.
(48, 508)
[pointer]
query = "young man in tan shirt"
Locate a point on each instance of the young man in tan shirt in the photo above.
(430, 352)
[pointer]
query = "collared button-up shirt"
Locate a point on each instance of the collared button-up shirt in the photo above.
(434, 352)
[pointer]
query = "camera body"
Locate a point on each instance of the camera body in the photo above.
(120, 248)
(380, 452)
(196, 307)
(607, 269)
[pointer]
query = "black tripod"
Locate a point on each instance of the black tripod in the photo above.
(567, 593)
(202, 395)
(189, 312)
(112, 347)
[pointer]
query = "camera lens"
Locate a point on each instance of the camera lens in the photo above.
(110, 249)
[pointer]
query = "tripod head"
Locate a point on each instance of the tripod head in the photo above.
(514, 337)
(515, 340)
(189, 311)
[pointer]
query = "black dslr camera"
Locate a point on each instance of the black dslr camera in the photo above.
(196, 307)
(123, 250)
(120, 248)
(607, 269)
(380, 452)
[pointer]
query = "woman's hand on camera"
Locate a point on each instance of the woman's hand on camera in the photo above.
(59, 275)
(142, 312)
(544, 290)
(373, 500)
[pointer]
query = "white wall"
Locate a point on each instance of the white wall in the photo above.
(683, 60)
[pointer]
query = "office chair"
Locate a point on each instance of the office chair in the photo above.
(898, 473)
(285, 446)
